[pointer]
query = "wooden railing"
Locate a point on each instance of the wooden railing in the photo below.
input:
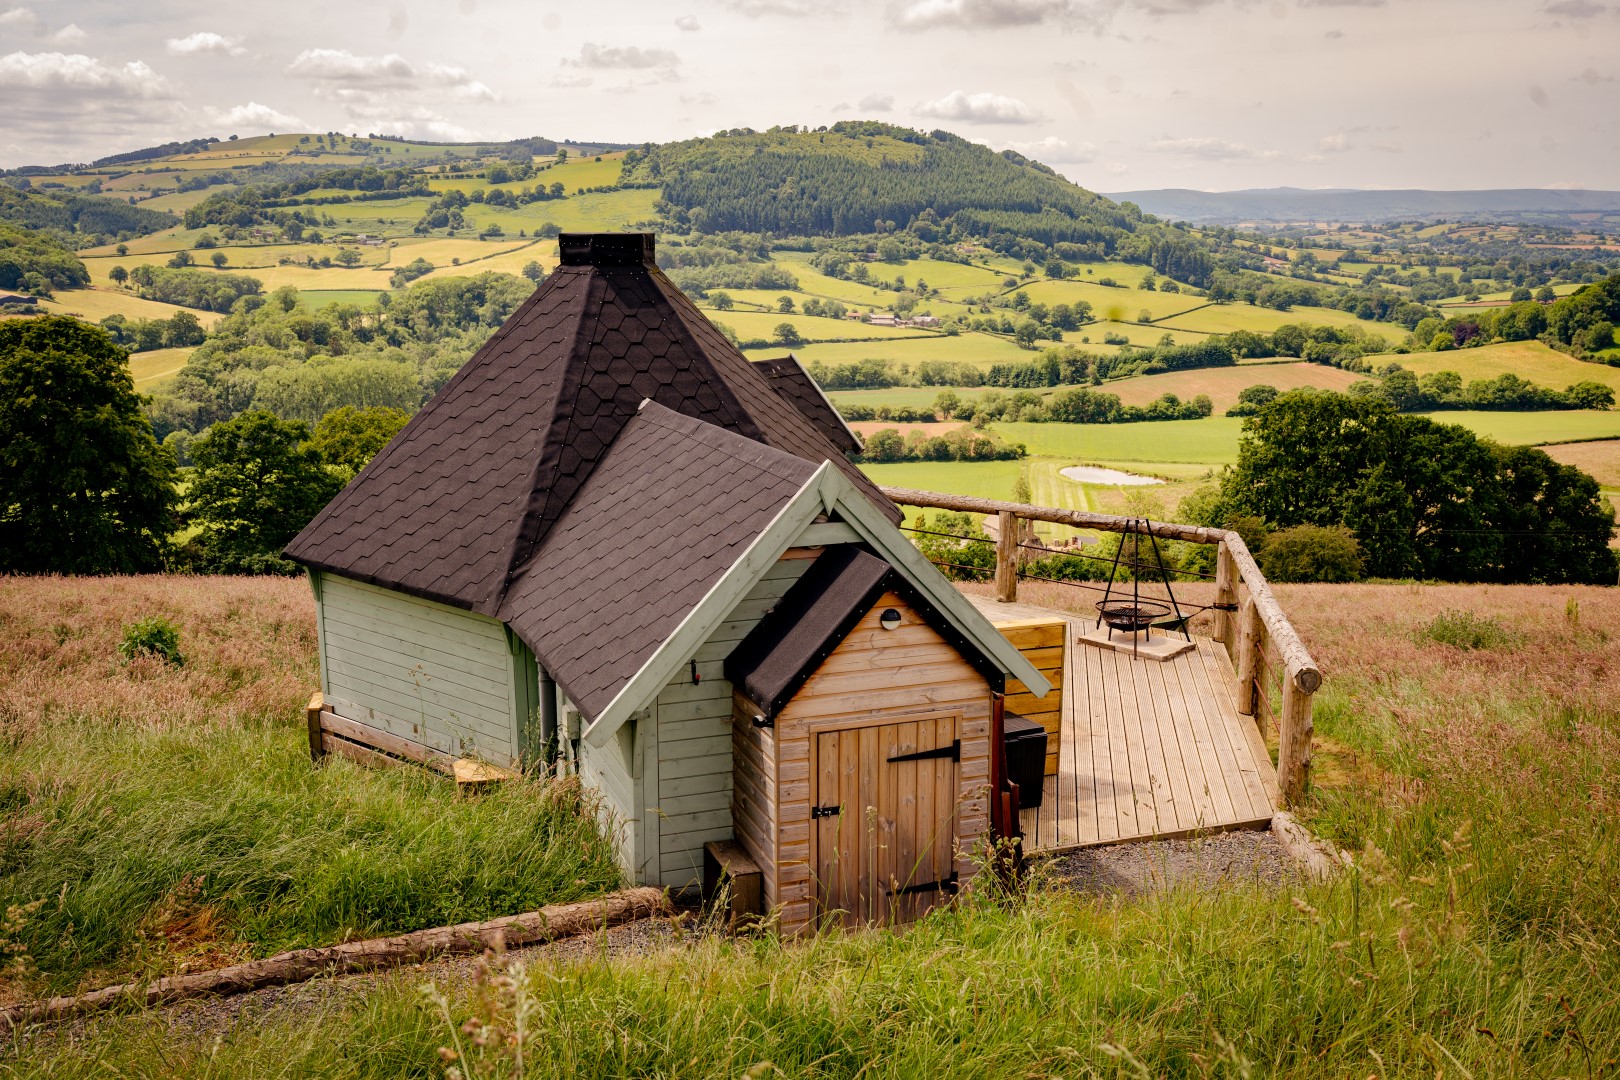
(1275, 674)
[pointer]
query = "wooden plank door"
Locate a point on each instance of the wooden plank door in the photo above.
(885, 829)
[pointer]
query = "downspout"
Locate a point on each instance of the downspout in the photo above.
(548, 711)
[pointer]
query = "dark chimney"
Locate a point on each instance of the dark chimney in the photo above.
(606, 249)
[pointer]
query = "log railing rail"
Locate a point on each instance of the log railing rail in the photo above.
(1267, 655)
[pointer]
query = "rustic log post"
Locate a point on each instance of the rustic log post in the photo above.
(312, 715)
(1248, 651)
(1295, 731)
(1225, 593)
(1006, 557)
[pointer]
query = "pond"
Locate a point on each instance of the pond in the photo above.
(1096, 474)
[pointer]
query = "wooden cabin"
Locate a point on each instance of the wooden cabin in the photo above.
(568, 553)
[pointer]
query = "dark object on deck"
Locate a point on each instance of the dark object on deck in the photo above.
(1130, 616)
(1025, 742)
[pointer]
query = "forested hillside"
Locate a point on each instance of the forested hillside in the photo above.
(863, 177)
(90, 216)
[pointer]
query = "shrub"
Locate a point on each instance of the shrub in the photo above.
(154, 636)
(1465, 630)
(1312, 553)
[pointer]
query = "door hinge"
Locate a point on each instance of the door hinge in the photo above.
(825, 811)
(953, 751)
(942, 885)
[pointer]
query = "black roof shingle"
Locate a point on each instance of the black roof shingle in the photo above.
(470, 490)
(789, 379)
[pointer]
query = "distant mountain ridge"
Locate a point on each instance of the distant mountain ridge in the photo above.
(1299, 204)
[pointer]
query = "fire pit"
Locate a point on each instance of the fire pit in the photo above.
(1130, 616)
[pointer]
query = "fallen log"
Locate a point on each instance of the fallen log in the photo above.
(550, 923)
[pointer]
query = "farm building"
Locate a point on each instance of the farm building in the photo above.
(614, 543)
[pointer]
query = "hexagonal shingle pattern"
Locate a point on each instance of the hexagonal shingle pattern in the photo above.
(469, 491)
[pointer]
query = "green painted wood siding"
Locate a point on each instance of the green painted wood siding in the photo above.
(424, 671)
(617, 773)
(689, 763)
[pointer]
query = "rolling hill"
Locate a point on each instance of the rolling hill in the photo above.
(1297, 204)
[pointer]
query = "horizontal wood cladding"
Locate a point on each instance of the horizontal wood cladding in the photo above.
(875, 677)
(419, 670)
(1043, 643)
(694, 767)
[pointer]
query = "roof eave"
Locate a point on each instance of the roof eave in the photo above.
(644, 686)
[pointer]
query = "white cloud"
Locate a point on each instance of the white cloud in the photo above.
(1052, 149)
(105, 104)
(876, 103)
(255, 116)
(70, 34)
(688, 23)
(205, 41)
(1209, 148)
(933, 14)
(1336, 143)
(77, 72)
(21, 16)
(349, 76)
(984, 108)
(629, 57)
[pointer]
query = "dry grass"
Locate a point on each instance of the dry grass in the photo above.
(249, 645)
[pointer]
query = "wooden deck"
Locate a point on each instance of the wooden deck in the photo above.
(1148, 748)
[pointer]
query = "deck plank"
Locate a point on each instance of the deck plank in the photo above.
(1148, 748)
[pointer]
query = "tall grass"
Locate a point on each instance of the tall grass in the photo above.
(1477, 934)
(154, 841)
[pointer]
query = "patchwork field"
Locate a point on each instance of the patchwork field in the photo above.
(980, 349)
(1225, 318)
(1600, 460)
(1212, 441)
(1529, 360)
(1223, 384)
(156, 366)
(94, 305)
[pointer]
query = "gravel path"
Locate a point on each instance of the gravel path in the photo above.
(1239, 857)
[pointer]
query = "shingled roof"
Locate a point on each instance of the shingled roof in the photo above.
(467, 493)
(789, 379)
(669, 509)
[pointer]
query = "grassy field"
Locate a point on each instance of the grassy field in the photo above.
(1530, 360)
(94, 305)
(168, 818)
(1223, 384)
(1225, 318)
(1601, 460)
(320, 298)
(761, 324)
(1212, 441)
(1108, 303)
(1536, 428)
(156, 366)
(981, 349)
(1475, 934)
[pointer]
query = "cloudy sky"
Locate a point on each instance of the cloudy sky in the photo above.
(1116, 94)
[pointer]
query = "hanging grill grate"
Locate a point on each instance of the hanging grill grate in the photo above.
(1139, 614)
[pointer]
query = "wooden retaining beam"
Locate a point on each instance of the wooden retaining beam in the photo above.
(550, 923)
(375, 748)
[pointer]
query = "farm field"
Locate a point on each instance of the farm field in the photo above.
(1536, 428)
(1529, 360)
(156, 366)
(1120, 305)
(1461, 782)
(761, 324)
(93, 305)
(1211, 441)
(980, 349)
(1600, 459)
(322, 298)
(1225, 318)
(174, 820)
(1223, 384)
(1090, 336)
(441, 251)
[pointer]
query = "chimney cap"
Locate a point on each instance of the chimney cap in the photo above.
(606, 249)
